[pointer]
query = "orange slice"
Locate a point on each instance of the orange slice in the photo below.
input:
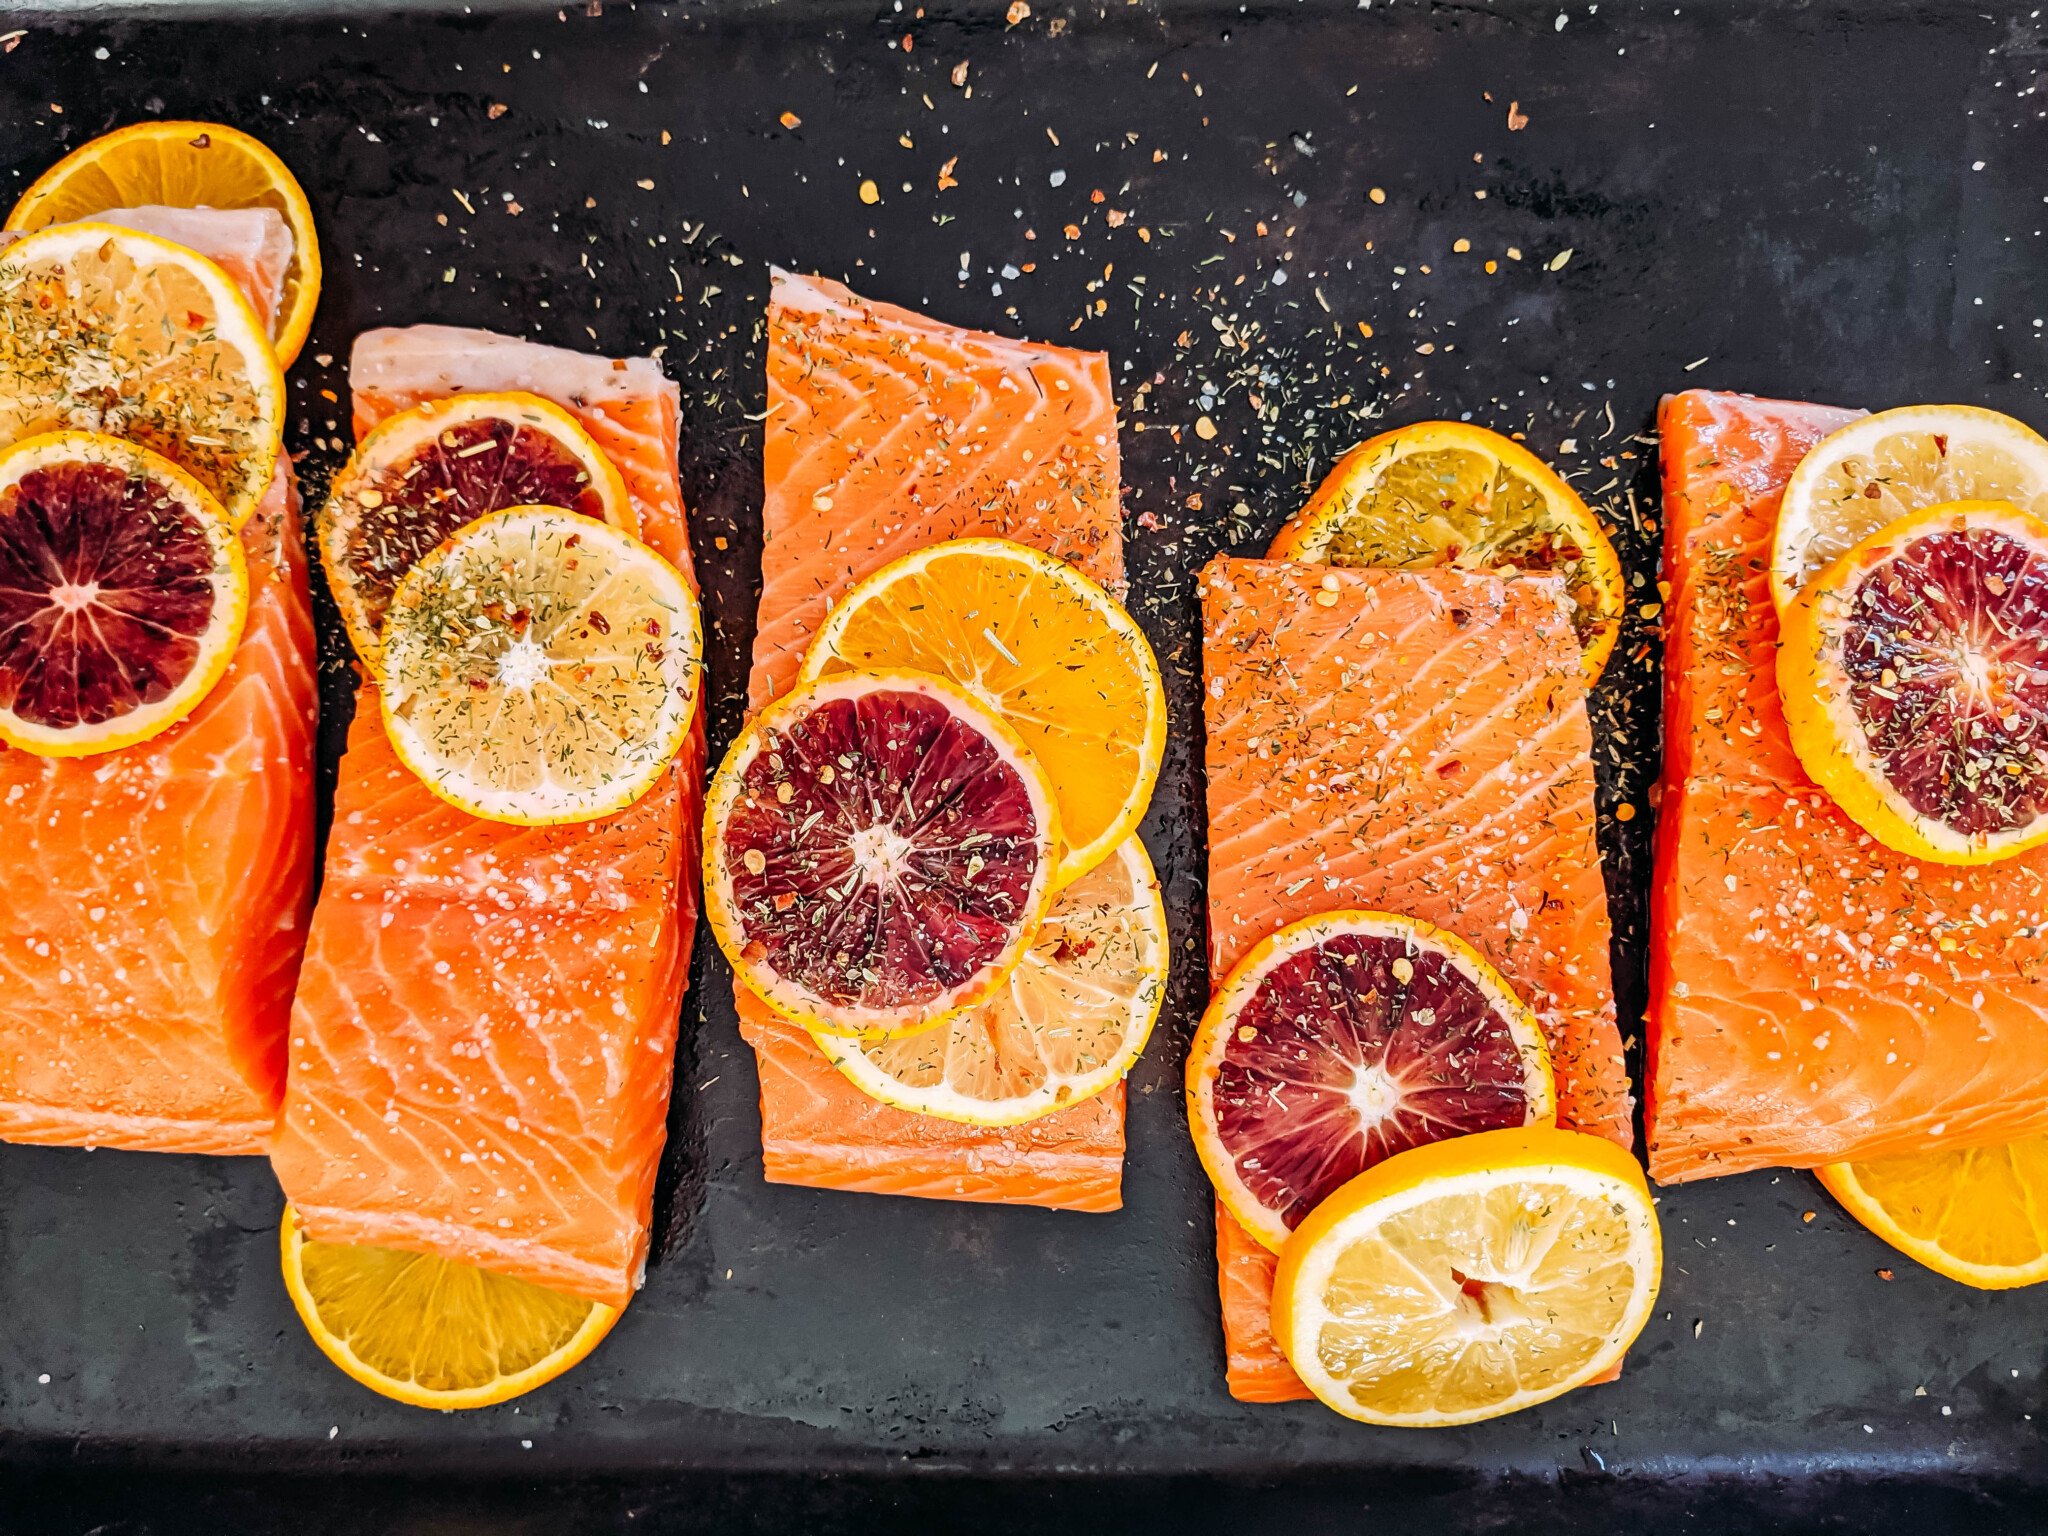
(1470, 1278)
(109, 330)
(186, 165)
(878, 852)
(1914, 677)
(123, 593)
(1050, 651)
(1448, 493)
(427, 472)
(1344, 1039)
(1979, 1216)
(432, 1332)
(1070, 1021)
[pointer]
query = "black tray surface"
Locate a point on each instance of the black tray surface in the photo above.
(1834, 202)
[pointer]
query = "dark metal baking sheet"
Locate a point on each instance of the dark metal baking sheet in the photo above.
(1842, 203)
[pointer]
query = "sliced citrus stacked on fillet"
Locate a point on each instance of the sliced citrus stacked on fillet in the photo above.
(1047, 648)
(107, 330)
(878, 852)
(1914, 677)
(123, 593)
(1343, 1039)
(1067, 1024)
(1446, 493)
(429, 471)
(185, 165)
(1470, 1278)
(1869, 474)
(433, 1332)
(540, 667)
(1979, 1215)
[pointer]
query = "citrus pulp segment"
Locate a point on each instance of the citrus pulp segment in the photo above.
(1914, 677)
(186, 165)
(123, 592)
(541, 667)
(1978, 1216)
(424, 473)
(1470, 1278)
(1036, 640)
(112, 331)
(1068, 1023)
(1447, 493)
(1343, 1039)
(878, 852)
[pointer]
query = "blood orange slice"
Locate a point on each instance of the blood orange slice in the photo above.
(878, 852)
(427, 472)
(1343, 1039)
(122, 594)
(1914, 676)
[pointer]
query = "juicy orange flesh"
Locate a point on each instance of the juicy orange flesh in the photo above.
(1462, 1300)
(433, 1323)
(1988, 1206)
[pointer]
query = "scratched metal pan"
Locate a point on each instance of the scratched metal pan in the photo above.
(1837, 202)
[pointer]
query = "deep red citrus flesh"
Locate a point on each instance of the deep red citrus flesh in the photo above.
(1344, 1055)
(106, 588)
(1945, 650)
(882, 851)
(465, 472)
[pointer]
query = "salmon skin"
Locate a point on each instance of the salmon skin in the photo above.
(1814, 996)
(1410, 742)
(153, 900)
(888, 432)
(484, 1033)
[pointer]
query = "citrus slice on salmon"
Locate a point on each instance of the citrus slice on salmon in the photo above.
(1914, 677)
(424, 473)
(878, 852)
(1470, 1278)
(1447, 493)
(433, 1332)
(185, 165)
(113, 331)
(1067, 1024)
(1874, 470)
(1978, 1215)
(1047, 648)
(123, 592)
(1342, 1040)
(541, 667)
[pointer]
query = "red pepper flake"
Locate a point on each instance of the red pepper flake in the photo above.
(946, 180)
(1517, 118)
(906, 42)
(1884, 1274)
(204, 141)
(1017, 12)
(791, 120)
(496, 110)
(959, 76)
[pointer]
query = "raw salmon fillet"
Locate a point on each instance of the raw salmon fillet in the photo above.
(484, 1033)
(1814, 996)
(153, 901)
(252, 245)
(888, 432)
(1411, 742)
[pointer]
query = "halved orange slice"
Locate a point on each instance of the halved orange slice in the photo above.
(186, 165)
(424, 473)
(1443, 493)
(878, 852)
(1914, 677)
(110, 330)
(1978, 1215)
(1343, 1039)
(123, 592)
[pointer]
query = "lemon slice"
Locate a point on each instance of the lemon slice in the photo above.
(424, 473)
(186, 165)
(112, 331)
(432, 1332)
(1470, 1278)
(1447, 493)
(123, 594)
(1070, 1021)
(1043, 646)
(1979, 1216)
(1877, 469)
(540, 667)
